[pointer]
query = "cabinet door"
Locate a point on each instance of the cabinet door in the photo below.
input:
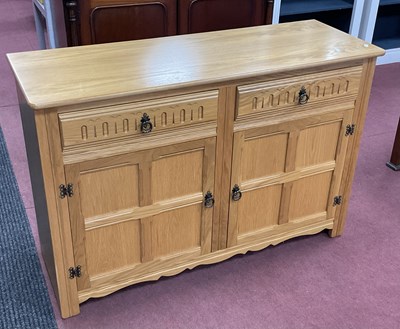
(212, 15)
(111, 21)
(141, 210)
(288, 175)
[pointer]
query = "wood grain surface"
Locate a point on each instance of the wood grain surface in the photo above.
(110, 71)
(226, 111)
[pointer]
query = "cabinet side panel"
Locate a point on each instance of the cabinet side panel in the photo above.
(55, 248)
(354, 144)
(54, 174)
(39, 196)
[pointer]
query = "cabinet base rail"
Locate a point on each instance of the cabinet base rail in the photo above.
(125, 278)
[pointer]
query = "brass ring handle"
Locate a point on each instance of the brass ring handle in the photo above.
(145, 124)
(303, 96)
(236, 193)
(209, 200)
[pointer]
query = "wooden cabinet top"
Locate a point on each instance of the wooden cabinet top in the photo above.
(68, 76)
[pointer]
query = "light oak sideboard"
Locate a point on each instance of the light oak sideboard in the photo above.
(155, 156)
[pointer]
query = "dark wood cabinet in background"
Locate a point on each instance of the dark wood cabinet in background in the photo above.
(212, 15)
(101, 21)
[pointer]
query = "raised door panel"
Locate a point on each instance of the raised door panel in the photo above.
(112, 247)
(116, 186)
(182, 223)
(317, 144)
(212, 15)
(111, 21)
(309, 196)
(258, 209)
(132, 213)
(269, 162)
(172, 177)
(259, 206)
(288, 175)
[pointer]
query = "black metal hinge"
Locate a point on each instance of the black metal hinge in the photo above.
(74, 272)
(350, 129)
(66, 190)
(337, 200)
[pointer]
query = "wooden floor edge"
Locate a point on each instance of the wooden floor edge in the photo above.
(126, 279)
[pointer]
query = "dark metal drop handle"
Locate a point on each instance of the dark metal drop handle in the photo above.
(236, 193)
(303, 96)
(209, 200)
(145, 124)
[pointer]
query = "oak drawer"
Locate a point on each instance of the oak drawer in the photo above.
(278, 95)
(120, 121)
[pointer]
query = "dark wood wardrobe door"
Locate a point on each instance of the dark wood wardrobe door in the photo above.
(113, 21)
(212, 15)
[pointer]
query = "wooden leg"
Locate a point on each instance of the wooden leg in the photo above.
(394, 162)
(333, 233)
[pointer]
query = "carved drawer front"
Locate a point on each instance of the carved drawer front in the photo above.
(136, 119)
(299, 93)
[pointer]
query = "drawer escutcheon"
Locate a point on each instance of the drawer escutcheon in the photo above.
(137, 119)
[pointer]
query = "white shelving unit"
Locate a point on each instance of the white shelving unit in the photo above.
(48, 18)
(381, 26)
(342, 14)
